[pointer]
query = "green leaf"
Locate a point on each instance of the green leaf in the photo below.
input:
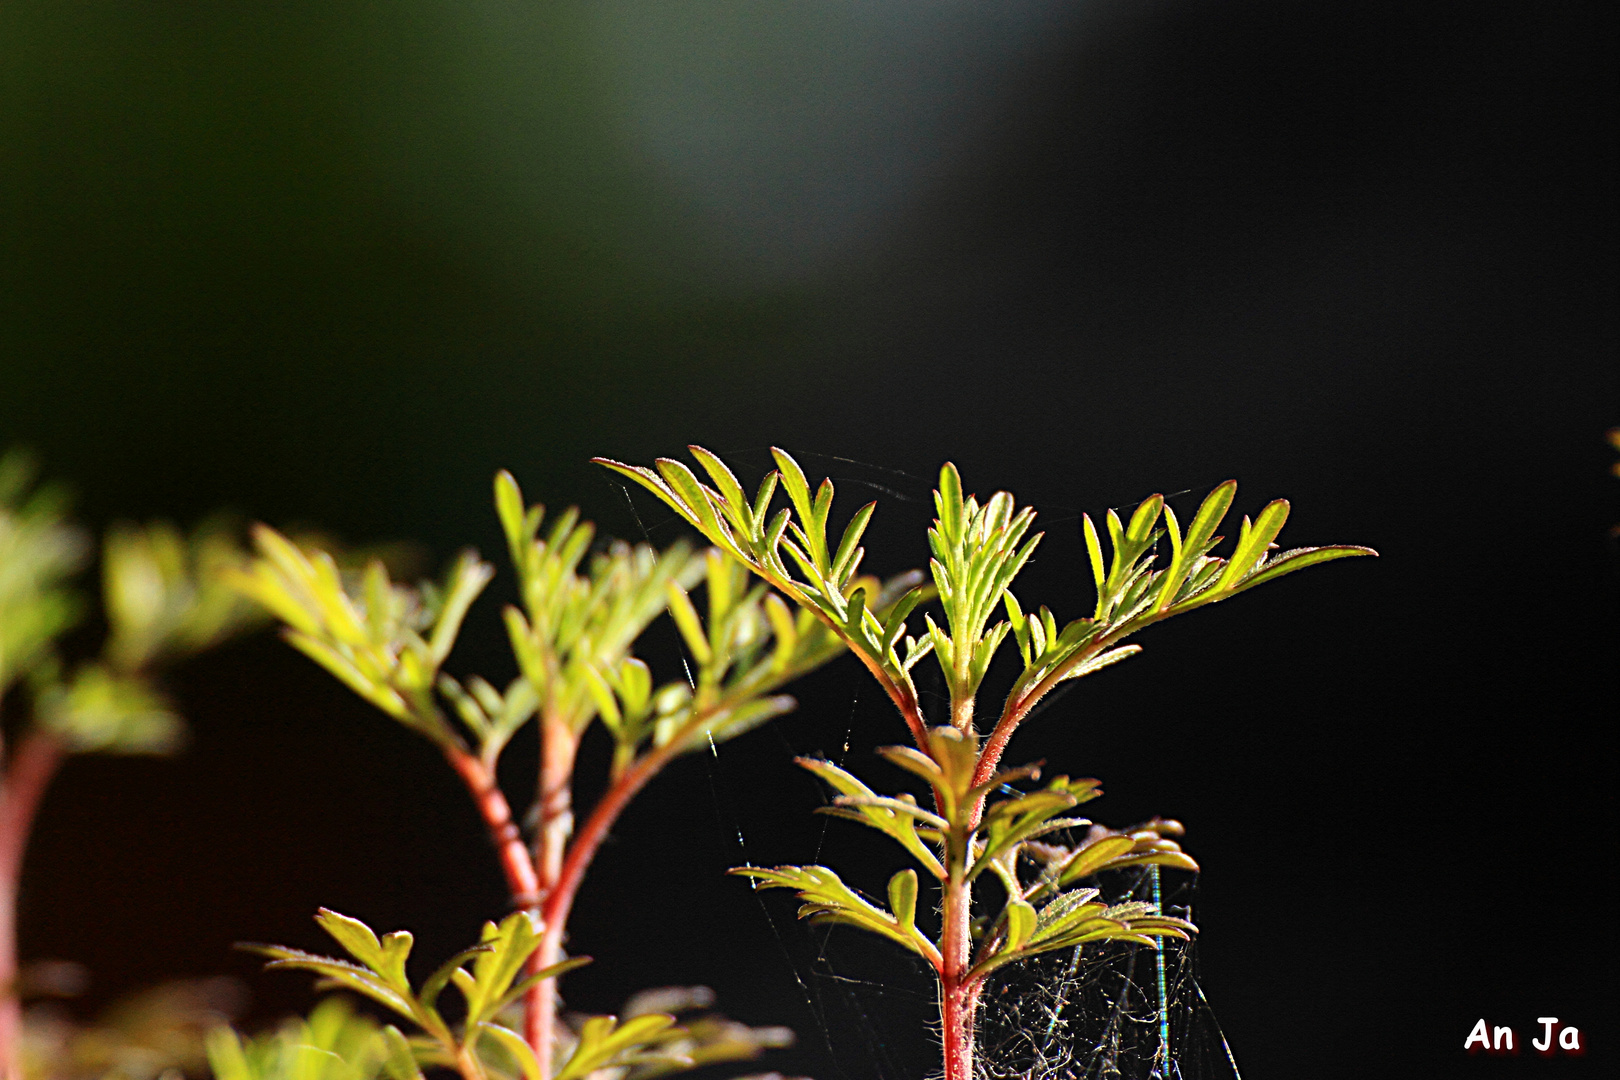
(693, 494)
(1066, 911)
(513, 1044)
(400, 1063)
(896, 818)
(1020, 918)
(225, 1056)
(691, 627)
(359, 979)
(356, 937)
(828, 900)
(1298, 559)
(1094, 552)
(511, 944)
(509, 508)
(101, 710)
(1094, 856)
(848, 555)
(903, 899)
(733, 500)
(603, 1041)
(441, 978)
(466, 580)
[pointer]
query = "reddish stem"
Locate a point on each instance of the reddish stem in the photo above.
(957, 997)
(518, 867)
(33, 763)
(560, 898)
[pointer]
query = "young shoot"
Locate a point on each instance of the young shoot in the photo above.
(573, 636)
(1038, 901)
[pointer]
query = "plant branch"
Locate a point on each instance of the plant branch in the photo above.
(559, 747)
(33, 763)
(516, 864)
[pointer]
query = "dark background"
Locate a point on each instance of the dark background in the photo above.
(336, 263)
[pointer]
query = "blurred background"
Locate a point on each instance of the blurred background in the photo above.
(335, 263)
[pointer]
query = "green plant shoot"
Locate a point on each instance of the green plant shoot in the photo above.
(573, 637)
(968, 838)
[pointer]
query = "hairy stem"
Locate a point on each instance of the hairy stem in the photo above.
(33, 763)
(957, 998)
(1017, 708)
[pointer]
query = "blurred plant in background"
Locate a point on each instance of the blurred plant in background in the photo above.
(157, 1032)
(164, 599)
(573, 636)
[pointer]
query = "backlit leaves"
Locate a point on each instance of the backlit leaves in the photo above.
(1013, 833)
(169, 595)
(792, 550)
(383, 640)
(334, 1043)
(99, 709)
(580, 615)
(165, 598)
(39, 552)
(828, 900)
(977, 551)
(486, 976)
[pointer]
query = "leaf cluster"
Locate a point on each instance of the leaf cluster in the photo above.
(334, 1043)
(790, 548)
(978, 549)
(165, 598)
(580, 616)
(1013, 833)
(486, 975)
(646, 1041)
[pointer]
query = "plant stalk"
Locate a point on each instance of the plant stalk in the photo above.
(957, 997)
(516, 863)
(33, 763)
(558, 748)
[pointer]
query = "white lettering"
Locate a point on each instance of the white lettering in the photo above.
(1570, 1038)
(1545, 1042)
(1478, 1033)
(1502, 1035)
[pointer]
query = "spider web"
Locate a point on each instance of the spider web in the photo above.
(1112, 1010)
(1109, 1011)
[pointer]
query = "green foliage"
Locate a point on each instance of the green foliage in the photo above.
(384, 641)
(491, 984)
(98, 708)
(646, 1041)
(165, 599)
(978, 550)
(699, 1037)
(572, 637)
(791, 551)
(39, 552)
(159, 1032)
(167, 595)
(1012, 832)
(334, 1043)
